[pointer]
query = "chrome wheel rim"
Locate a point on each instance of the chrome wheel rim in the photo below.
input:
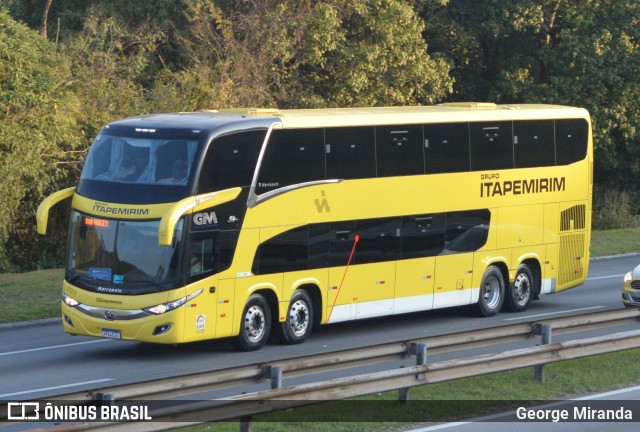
(522, 289)
(299, 317)
(254, 323)
(491, 293)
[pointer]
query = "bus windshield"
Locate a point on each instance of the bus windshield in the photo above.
(140, 160)
(122, 256)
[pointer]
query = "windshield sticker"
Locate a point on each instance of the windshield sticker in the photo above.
(118, 279)
(100, 273)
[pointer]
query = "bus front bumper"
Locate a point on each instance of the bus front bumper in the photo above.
(113, 324)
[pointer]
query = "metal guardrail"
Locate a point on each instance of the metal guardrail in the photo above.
(277, 398)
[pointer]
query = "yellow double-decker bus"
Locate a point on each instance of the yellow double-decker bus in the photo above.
(240, 223)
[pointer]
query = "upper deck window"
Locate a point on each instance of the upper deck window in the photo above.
(140, 160)
(230, 161)
(293, 156)
(350, 152)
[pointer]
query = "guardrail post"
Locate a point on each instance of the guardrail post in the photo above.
(421, 359)
(105, 399)
(276, 377)
(276, 382)
(545, 339)
(245, 424)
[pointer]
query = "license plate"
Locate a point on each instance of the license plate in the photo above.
(111, 334)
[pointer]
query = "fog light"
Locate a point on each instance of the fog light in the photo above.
(161, 329)
(68, 321)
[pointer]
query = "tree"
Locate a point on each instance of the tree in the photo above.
(572, 52)
(31, 137)
(307, 54)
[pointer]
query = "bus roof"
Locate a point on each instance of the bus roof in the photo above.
(448, 112)
(370, 116)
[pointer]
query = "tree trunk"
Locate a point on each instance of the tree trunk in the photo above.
(45, 18)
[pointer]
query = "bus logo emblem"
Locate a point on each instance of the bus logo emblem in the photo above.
(108, 314)
(323, 205)
(205, 219)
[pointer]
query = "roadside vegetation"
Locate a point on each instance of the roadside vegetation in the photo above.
(68, 67)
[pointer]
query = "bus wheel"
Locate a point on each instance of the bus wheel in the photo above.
(520, 291)
(491, 292)
(255, 326)
(299, 320)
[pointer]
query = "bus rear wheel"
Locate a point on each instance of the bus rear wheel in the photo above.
(491, 292)
(255, 326)
(521, 290)
(299, 322)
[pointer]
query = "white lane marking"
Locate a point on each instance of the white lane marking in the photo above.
(609, 393)
(554, 313)
(492, 416)
(54, 347)
(605, 277)
(55, 388)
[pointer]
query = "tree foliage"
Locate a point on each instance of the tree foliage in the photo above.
(32, 136)
(98, 61)
(571, 52)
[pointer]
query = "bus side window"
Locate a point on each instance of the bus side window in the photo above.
(319, 235)
(533, 143)
(341, 241)
(571, 140)
(292, 156)
(379, 240)
(399, 150)
(210, 251)
(422, 235)
(201, 254)
(230, 161)
(225, 249)
(466, 231)
(288, 251)
(491, 145)
(446, 148)
(350, 152)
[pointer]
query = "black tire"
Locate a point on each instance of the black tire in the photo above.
(299, 322)
(520, 292)
(491, 292)
(255, 324)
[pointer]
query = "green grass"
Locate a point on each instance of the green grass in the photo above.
(29, 296)
(615, 242)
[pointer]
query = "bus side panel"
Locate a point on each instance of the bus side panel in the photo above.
(551, 223)
(368, 286)
(225, 307)
(520, 226)
(550, 270)
(453, 275)
(200, 312)
(414, 285)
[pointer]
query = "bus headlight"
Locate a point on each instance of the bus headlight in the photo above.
(69, 301)
(628, 278)
(168, 307)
